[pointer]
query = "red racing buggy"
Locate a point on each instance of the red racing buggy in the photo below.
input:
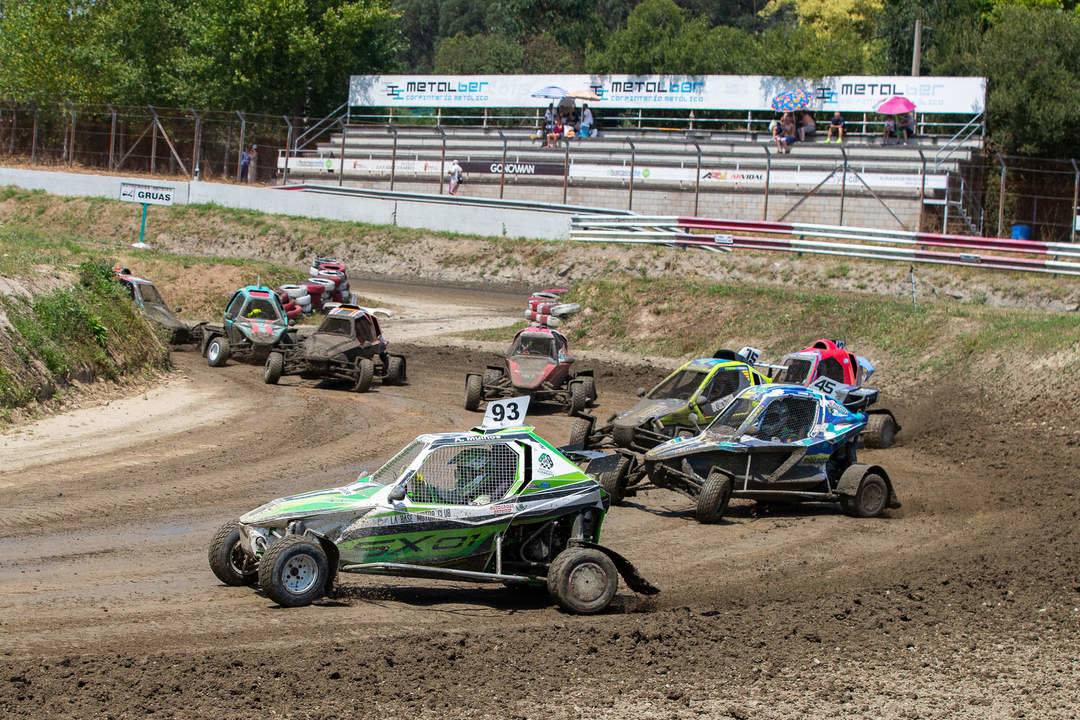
(828, 367)
(538, 365)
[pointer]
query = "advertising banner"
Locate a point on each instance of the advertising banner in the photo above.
(855, 93)
(709, 176)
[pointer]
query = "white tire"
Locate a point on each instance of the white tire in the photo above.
(302, 300)
(294, 291)
(327, 283)
(565, 309)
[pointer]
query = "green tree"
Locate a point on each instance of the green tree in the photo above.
(658, 39)
(1031, 58)
(478, 55)
(803, 51)
(282, 55)
(543, 55)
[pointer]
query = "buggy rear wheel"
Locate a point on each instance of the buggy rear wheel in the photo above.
(365, 371)
(880, 431)
(714, 497)
(578, 398)
(275, 364)
(293, 571)
(582, 580)
(230, 562)
(614, 480)
(579, 432)
(217, 352)
(474, 390)
(590, 388)
(395, 371)
(870, 499)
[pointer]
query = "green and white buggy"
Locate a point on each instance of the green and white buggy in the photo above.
(489, 506)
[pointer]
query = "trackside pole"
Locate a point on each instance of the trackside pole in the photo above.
(142, 230)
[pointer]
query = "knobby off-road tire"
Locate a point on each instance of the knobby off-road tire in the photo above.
(275, 364)
(880, 431)
(217, 352)
(474, 390)
(614, 480)
(365, 371)
(492, 376)
(294, 571)
(590, 388)
(230, 563)
(578, 398)
(714, 497)
(395, 371)
(582, 580)
(579, 432)
(623, 435)
(870, 500)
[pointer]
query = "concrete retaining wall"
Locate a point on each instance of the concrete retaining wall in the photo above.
(448, 216)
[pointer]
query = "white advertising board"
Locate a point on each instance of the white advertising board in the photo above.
(854, 93)
(147, 194)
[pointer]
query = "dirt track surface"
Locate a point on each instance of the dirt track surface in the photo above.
(964, 603)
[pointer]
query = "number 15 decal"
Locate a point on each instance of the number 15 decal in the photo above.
(506, 413)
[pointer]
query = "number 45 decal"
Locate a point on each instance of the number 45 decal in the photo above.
(825, 386)
(506, 413)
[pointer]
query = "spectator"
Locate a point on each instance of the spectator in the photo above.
(777, 135)
(906, 126)
(787, 127)
(245, 163)
(888, 135)
(456, 176)
(556, 133)
(807, 126)
(836, 124)
(586, 121)
(549, 122)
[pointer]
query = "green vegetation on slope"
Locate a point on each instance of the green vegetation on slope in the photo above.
(89, 330)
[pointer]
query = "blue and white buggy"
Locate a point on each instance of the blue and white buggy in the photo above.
(774, 444)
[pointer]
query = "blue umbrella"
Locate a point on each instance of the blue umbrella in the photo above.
(791, 100)
(551, 91)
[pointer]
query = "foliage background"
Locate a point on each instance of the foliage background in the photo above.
(294, 56)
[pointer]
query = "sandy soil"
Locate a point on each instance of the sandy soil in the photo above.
(964, 603)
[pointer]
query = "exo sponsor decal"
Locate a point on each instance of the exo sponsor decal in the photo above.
(378, 547)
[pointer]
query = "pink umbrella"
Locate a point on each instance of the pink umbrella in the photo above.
(896, 105)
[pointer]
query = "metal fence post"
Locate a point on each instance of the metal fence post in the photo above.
(240, 150)
(393, 154)
(633, 159)
(344, 134)
(34, 134)
(1076, 196)
(502, 168)
(288, 145)
(442, 158)
(112, 138)
(768, 178)
(697, 178)
(153, 141)
(922, 190)
(565, 169)
(1001, 195)
(196, 154)
(843, 185)
(14, 118)
(71, 140)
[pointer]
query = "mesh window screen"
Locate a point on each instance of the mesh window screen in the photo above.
(473, 475)
(392, 470)
(832, 369)
(788, 419)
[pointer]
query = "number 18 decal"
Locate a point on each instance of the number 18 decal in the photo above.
(509, 412)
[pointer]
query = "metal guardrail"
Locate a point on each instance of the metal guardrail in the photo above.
(870, 243)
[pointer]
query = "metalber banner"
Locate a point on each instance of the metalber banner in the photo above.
(855, 93)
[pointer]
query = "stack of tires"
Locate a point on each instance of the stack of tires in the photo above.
(295, 299)
(332, 274)
(546, 310)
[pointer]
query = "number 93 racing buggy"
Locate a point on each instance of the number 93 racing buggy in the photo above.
(774, 444)
(483, 506)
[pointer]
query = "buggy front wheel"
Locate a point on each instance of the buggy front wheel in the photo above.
(578, 398)
(275, 364)
(474, 391)
(614, 480)
(365, 371)
(582, 580)
(294, 571)
(217, 352)
(714, 497)
(230, 562)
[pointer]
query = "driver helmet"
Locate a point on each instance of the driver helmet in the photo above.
(775, 421)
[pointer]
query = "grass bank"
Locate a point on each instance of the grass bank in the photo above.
(83, 332)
